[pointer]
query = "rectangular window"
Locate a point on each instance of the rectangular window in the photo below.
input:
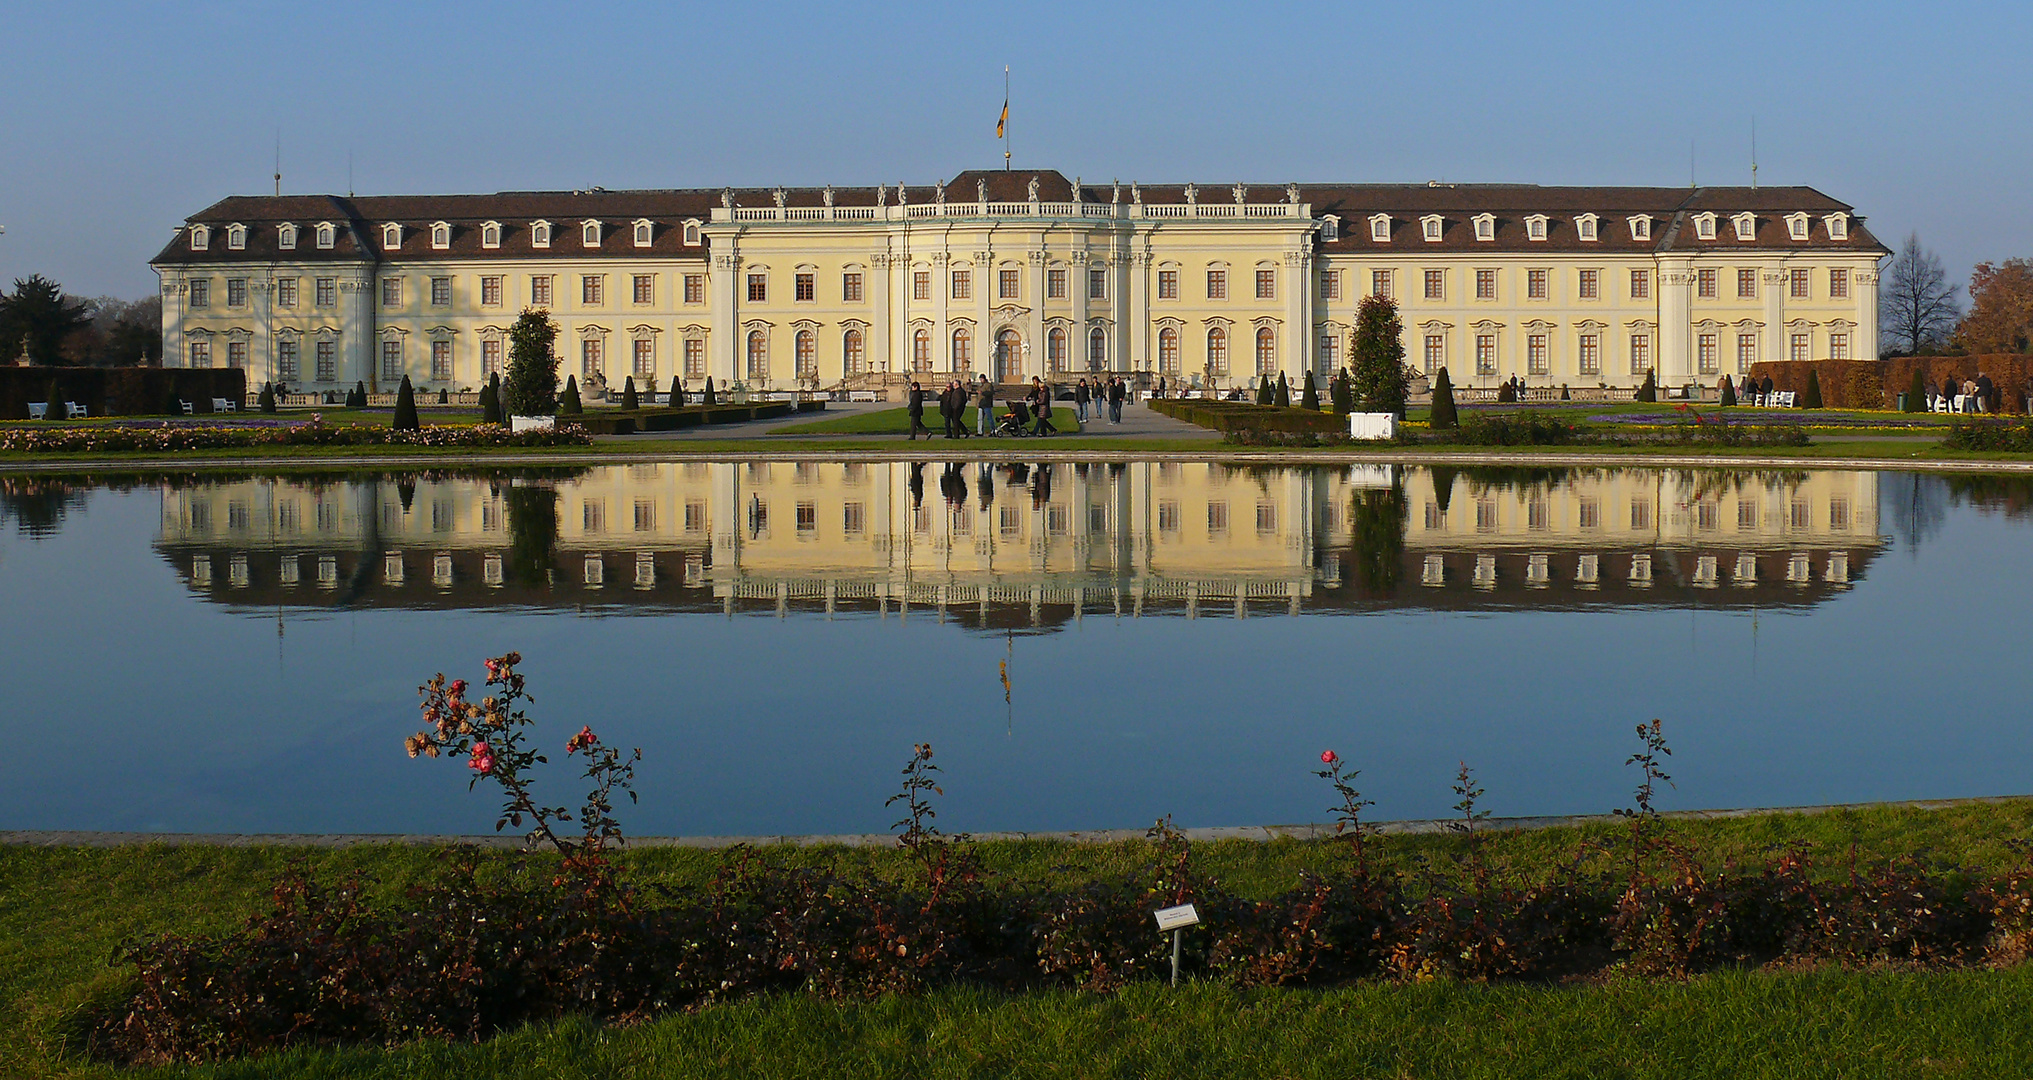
(490, 291)
(1330, 284)
(490, 357)
(921, 285)
(1747, 284)
(1485, 284)
(1590, 354)
(201, 354)
(441, 291)
(391, 358)
(1168, 516)
(645, 359)
(850, 287)
(854, 518)
(1535, 354)
(1168, 284)
(201, 293)
(695, 359)
(391, 292)
(1535, 284)
(1641, 513)
(695, 288)
(1704, 284)
(1796, 284)
(1588, 284)
(540, 290)
(1485, 354)
(645, 515)
(325, 292)
(1798, 348)
(328, 361)
(807, 290)
(758, 288)
(285, 292)
(1747, 351)
(1838, 284)
(441, 360)
(643, 286)
(1217, 517)
(1641, 353)
(1217, 284)
(1436, 284)
(1838, 346)
(1747, 515)
(696, 516)
(1380, 283)
(1097, 283)
(236, 354)
(1055, 283)
(1330, 353)
(589, 358)
(1588, 513)
(286, 359)
(236, 292)
(593, 515)
(1641, 284)
(963, 284)
(1006, 284)
(1436, 353)
(1267, 284)
(1705, 353)
(592, 289)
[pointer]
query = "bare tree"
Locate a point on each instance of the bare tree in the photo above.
(1916, 305)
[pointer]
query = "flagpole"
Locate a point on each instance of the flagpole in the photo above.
(1005, 118)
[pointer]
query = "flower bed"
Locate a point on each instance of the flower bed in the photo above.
(161, 437)
(1799, 417)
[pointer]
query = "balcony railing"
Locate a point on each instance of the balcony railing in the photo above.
(971, 209)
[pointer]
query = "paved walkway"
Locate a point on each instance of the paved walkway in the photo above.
(1138, 422)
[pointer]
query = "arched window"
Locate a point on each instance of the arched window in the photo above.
(540, 234)
(441, 236)
(285, 237)
(1055, 348)
(758, 356)
(808, 355)
(850, 352)
(490, 235)
(1217, 351)
(326, 234)
(921, 351)
(1267, 351)
(963, 350)
(1009, 353)
(1168, 351)
(643, 233)
(1097, 349)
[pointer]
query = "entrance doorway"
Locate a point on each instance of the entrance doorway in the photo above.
(1009, 357)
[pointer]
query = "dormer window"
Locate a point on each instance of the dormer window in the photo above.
(1704, 226)
(1838, 226)
(1797, 226)
(285, 236)
(589, 234)
(391, 236)
(1585, 226)
(441, 236)
(201, 238)
(236, 237)
(1330, 228)
(540, 234)
(1430, 227)
(1641, 226)
(1380, 228)
(1485, 226)
(1535, 227)
(327, 235)
(1746, 226)
(691, 234)
(490, 234)
(643, 232)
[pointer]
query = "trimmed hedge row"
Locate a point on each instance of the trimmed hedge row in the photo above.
(172, 438)
(630, 421)
(1244, 416)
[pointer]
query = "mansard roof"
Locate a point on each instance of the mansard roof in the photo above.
(1671, 210)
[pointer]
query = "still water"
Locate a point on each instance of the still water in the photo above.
(241, 653)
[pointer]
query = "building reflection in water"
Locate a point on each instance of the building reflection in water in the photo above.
(1001, 546)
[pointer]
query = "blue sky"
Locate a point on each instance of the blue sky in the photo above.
(124, 118)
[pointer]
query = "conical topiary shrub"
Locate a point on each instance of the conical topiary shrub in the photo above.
(1564, 394)
(1282, 396)
(1309, 397)
(1812, 398)
(1729, 392)
(677, 392)
(1444, 417)
(55, 398)
(444, 395)
(1916, 391)
(568, 402)
(359, 398)
(1341, 393)
(628, 398)
(709, 399)
(490, 401)
(1265, 393)
(266, 403)
(405, 408)
(1649, 390)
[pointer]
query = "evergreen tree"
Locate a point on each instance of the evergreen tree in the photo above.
(490, 401)
(37, 318)
(1264, 391)
(1444, 417)
(1282, 396)
(1729, 392)
(677, 392)
(1812, 398)
(1378, 355)
(1916, 393)
(405, 408)
(628, 398)
(359, 398)
(709, 400)
(531, 388)
(1337, 390)
(1309, 397)
(267, 400)
(568, 402)
(1649, 390)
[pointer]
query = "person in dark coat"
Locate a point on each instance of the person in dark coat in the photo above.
(917, 411)
(1041, 401)
(1081, 396)
(984, 403)
(1117, 390)
(1987, 392)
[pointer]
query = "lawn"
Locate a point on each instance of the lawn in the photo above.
(63, 909)
(898, 422)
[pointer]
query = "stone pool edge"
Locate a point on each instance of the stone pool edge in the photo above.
(87, 838)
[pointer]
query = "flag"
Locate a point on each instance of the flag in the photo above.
(1003, 119)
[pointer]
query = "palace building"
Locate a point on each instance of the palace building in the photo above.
(1015, 274)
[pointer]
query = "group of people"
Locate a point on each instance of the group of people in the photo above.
(1103, 395)
(1979, 394)
(1030, 414)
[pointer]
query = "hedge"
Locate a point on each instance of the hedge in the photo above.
(1243, 416)
(172, 438)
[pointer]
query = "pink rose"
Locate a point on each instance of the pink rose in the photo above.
(1329, 757)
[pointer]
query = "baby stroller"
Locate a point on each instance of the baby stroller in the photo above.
(1015, 421)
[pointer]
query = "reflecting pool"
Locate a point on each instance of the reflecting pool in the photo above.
(241, 653)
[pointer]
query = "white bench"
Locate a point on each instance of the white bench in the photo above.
(862, 395)
(74, 409)
(221, 404)
(38, 409)
(1782, 399)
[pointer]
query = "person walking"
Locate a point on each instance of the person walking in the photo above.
(917, 411)
(1081, 396)
(1041, 398)
(984, 404)
(1117, 390)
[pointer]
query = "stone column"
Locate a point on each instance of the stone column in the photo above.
(875, 351)
(1772, 342)
(1139, 317)
(1863, 290)
(357, 326)
(1673, 353)
(1076, 294)
(723, 333)
(1299, 292)
(1034, 342)
(173, 353)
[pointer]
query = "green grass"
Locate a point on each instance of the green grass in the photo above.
(63, 909)
(898, 422)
